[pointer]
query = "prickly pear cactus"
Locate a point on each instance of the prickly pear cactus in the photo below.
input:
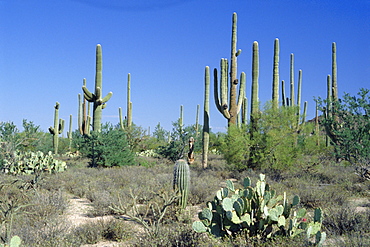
(256, 212)
(181, 181)
(15, 241)
(32, 162)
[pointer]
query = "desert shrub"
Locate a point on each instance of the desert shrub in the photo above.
(106, 148)
(344, 219)
(347, 124)
(179, 139)
(235, 148)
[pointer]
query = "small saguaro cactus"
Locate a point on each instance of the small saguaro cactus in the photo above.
(96, 98)
(57, 129)
(181, 181)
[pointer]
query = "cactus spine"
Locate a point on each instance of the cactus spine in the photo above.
(181, 181)
(206, 119)
(275, 79)
(229, 107)
(57, 129)
(96, 98)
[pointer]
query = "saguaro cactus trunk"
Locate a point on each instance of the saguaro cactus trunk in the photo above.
(275, 78)
(206, 119)
(96, 98)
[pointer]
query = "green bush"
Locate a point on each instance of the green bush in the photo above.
(347, 123)
(107, 148)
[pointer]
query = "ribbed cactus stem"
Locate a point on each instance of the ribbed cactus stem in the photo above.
(292, 98)
(304, 112)
(283, 93)
(197, 120)
(181, 181)
(299, 93)
(275, 78)
(255, 75)
(329, 101)
(229, 101)
(206, 118)
(96, 98)
(69, 133)
(79, 118)
(120, 118)
(334, 72)
(129, 103)
(57, 129)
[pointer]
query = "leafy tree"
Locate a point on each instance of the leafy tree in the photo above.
(347, 123)
(278, 141)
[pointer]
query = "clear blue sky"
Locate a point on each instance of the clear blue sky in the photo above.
(48, 47)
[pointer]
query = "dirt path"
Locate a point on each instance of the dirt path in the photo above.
(77, 214)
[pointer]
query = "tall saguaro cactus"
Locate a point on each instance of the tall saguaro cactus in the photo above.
(275, 78)
(69, 133)
(206, 119)
(129, 103)
(292, 79)
(334, 72)
(57, 129)
(255, 74)
(96, 98)
(230, 106)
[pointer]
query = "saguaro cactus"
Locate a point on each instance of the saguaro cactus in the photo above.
(275, 78)
(129, 103)
(96, 98)
(230, 107)
(255, 74)
(292, 79)
(69, 133)
(206, 119)
(57, 129)
(181, 181)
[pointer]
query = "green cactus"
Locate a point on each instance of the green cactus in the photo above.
(84, 118)
(230, 106)
(57, 129)
(181, 181)
(197, 121)
(334, 72)
(121, 124)
(255, 74)
(96, 98)
(129, 103)
(69, 133)
(181, 119)
(33, 162)
(284, 101)
(256, 212)
(275, 78)
(15, 241)
(292, 98)
(206, 118)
